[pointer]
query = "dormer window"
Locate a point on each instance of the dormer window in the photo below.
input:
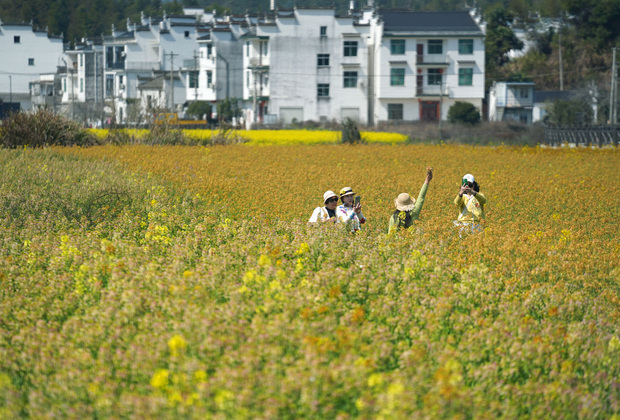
(16, 39)
(186, 34)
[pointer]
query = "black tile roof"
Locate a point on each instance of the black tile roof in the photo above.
(400, 21)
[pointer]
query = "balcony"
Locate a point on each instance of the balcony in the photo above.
(432, 60)
(261, 62)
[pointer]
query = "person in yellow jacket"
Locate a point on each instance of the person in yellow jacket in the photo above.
(470, 202)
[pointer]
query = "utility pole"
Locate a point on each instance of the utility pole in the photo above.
(196, 75)
(561, 64)
(613, 93)
(172, 54)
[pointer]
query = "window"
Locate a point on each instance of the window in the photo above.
(350, 48)
(350, 79)
(264, 48)
(109, 84)
(434, 76)
(395, 111)
(322, 60)
(81, 56)
(322, 90)
(64, 85)
(31, 61)
(466, 77)
(397, 46)
(397, 77)
(120, 54)
(209, 51)
(435, 46)
(247, 79)
(193, 79)
(186, 33)
(81, 85)
(16, 39)
(109, 57)
(466, 46)
(525, 92)
(210, 77)
(323, 31)
(247, 49)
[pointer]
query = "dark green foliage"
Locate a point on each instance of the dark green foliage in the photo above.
(570, 112)
(199, 109)
(597, 21)
(464, 113)
(350, 133)
(43, 128)
(227, 109)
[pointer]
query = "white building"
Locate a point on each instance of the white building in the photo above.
(218, 74)
(145, 50)
(82, 82)
(307, 64)
(511, 101)
(424, 63)
(25, 53)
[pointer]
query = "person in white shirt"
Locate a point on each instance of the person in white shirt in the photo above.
(350, 213)
(327, 213)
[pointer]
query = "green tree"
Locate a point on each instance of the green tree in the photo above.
(499, 41)
(570, 112)
(227, 109)
(199, 109)
(464, 113)
(597, 21)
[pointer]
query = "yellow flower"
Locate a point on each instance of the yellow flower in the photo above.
(264, 260)
(160, 378)
(614, 344)
(376, 379)
(177, 345)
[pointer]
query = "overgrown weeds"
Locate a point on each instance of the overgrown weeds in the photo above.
(41, 128)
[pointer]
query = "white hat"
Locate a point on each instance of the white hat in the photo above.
(469, 177)
(404, 202)
(346, 191)
(328, 195)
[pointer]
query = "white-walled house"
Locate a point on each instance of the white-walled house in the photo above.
(306, 64)
(152, 46)
(218, 75)
(25, 54)
(424, 63)
(511, 101)
(82, 82)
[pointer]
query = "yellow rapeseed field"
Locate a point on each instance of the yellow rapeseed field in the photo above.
(185, 282)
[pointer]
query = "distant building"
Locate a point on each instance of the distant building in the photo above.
(511, 101)
(425, 62)
(26, 54)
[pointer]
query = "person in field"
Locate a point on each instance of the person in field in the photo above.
(408, 209)
(349, 212)
(328, 212)
(470, 202)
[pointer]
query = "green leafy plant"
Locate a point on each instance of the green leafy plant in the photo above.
(464, 113)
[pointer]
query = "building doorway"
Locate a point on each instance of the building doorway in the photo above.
(429, 111)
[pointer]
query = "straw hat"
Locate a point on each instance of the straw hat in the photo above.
(328, 195)
(404, 202)
(346, 191)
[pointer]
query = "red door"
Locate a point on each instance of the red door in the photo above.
(429, 111)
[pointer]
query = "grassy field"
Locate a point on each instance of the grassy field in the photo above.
(168, 282)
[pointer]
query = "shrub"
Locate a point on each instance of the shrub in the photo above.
(42, 128)
(463, 112)
(350, 133)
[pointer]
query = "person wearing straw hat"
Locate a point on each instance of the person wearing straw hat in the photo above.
(350, 213)
(470, 202)
(408, 209)
(327, 213)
